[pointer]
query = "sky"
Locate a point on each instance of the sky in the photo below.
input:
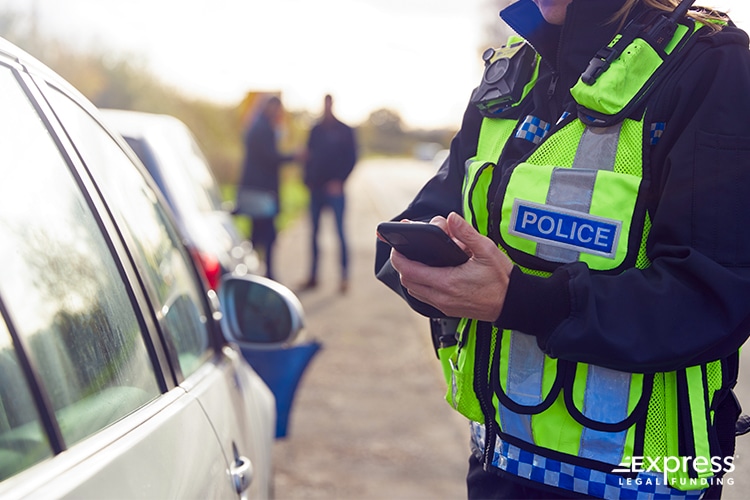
(420, 58)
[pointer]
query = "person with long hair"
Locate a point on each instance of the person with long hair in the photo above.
(258, 190)
(599, 184)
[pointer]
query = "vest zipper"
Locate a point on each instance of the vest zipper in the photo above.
(553, 84)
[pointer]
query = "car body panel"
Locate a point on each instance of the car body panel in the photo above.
(146, 450)
(223, 388)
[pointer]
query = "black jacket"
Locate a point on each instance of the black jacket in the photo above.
(693, 303)
(260, 168)
(332, 153)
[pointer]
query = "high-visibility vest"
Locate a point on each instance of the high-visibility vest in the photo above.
(577, 426)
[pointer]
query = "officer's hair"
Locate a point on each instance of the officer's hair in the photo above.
(702, 14)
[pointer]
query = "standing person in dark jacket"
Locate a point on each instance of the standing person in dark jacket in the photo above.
(600, 185)
(260, 173)
(331, 155)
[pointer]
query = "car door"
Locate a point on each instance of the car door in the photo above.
(235, 402)
(83, 394)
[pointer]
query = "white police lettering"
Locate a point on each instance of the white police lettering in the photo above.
(565, 228)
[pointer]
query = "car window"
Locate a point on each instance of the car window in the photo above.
(190, 165)
(174, 159)
(62, 291)
(144, 152)
(171, 282)
(23, 441)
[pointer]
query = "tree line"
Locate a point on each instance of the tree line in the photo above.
(122, 81)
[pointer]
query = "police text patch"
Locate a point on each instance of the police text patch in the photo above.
(565, 228)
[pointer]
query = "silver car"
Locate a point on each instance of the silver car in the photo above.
(170, 153)
(116, 380)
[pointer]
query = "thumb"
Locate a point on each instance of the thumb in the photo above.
(464, 232)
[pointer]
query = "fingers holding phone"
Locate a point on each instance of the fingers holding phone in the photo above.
(451, 281)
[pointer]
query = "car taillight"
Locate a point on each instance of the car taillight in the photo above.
(210, 266)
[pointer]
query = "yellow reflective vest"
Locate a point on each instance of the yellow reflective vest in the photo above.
(577, 426)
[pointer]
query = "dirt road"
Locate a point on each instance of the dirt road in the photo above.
(369, 421)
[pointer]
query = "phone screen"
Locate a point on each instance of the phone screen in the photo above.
(423, 242)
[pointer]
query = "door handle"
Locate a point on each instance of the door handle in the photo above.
(241, 471)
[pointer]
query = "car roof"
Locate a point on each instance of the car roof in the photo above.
(139, 123)
(34, 66)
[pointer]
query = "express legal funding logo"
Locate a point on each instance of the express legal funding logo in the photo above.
(677, 471)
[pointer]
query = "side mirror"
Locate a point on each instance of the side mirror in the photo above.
(260, 311)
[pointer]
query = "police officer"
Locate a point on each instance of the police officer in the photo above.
(599, 183)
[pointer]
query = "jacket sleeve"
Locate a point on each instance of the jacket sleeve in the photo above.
(440, 196)
(349, 155)
(262, 141)
(692, 304)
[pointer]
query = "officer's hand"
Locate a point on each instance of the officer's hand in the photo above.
(475, 289)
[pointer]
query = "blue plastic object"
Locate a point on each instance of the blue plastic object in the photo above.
(282, 369)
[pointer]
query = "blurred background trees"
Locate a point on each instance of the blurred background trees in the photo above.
(122, 81)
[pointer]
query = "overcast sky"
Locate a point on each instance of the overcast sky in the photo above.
(419, 57)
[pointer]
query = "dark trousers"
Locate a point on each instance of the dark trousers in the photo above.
(263, 238)
(319, 199)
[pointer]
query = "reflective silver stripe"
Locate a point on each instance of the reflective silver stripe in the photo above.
(524, 386)
(573, 188)
(605, 400)
(598, 148)
(607, 391)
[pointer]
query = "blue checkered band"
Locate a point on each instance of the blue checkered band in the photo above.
(533, 129)
(657, 129)
(562, 117)
(579, 479)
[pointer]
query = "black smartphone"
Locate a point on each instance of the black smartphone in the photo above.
(426, 243)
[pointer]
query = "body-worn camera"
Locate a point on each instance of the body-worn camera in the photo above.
(507, 71)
